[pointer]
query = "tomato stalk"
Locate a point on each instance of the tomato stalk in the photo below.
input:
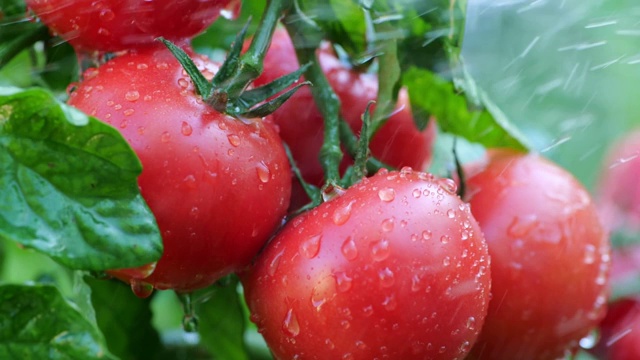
(306, 38)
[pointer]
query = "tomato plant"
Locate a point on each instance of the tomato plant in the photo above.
(398, 143)
(217, 186)
(535, 216)
(109, 25)
(396, 267)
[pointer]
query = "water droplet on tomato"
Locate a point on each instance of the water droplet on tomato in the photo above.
(104, 32)
(165, 137)
(386, 278)
(521, 226)
(342, 214)
(388, 224)
(390, 302)
(273, 265)
(380, 250)
(445, 239)
(263, 172)
(471, 323)
(132, 95)
(141, 289)
(387, 194)
(186, 129)
(465, 347)
(416, 283)
(367, 310)
(106, 15)
(426, 235)
(234, 140)
(416, 193)
(349, 249)
(123, 124)
(310, 247)
(183, 83)
(343, 281)
(128, 112)
(232, 10)
(451, 214)
(589, 254)
(290, 324)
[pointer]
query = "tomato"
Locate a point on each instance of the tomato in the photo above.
(618, 191)
(394, 268)
(111, 25)
(620, 332)
(217, 186)
(399, 143)
(549, 256)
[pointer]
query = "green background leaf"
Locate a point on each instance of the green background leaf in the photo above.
(125, 320)
(37, 323)
(70, 186)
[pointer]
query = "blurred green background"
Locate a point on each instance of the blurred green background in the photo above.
(566, 72)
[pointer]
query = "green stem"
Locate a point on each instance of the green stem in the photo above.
(307, 39)
(350, 142)
(388, 72)
(15, 46)
(250, 66)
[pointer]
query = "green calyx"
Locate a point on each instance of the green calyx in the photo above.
(227, 91)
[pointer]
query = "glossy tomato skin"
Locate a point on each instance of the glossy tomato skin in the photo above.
(114, 25)
(549, 257)
(217, 186)
(399, 143)
(620, 332)
(395, 268)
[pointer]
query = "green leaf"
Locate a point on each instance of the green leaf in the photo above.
(69, 186)
(37, 323)
(430, 94)
(222, 321)
(124, 319)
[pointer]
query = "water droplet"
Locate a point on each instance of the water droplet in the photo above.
(141, 289)
(367, 310)
(165, 137)
(183, 83)
(386, 278)
(310, 247)
(117, 107)
(471, 323)
(464, 235)
(443, 349)
(387, 224)
(342, 214)
(426, 235)
(132, 95)
(387, 194)
(234, 140)
(446, 261)
(416, 283)
(445, 239)
(186, 129)
(448, 185)
(390, 302)
(263, 172)
(349, 249)
(519, 227)
(380, 250)
(589, 254)
(465, 347)
(329, 344)
(361, 345)
(290, 324)
(106, 15)
(190, 181)
(273, 265)
(128, 112)
(343, 281)
(416, 193)
(451, 214)
(123, 124)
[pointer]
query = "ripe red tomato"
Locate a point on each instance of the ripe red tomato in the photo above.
(217, 186)
(399, 143)
(395, 268)
(618, 191)
(110, 25)
(620, 332)
(549, 257)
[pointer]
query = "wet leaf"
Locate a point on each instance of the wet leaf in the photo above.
(37, 323)
(70, 186)
(222, 321)
(432, 95)
(124, 319)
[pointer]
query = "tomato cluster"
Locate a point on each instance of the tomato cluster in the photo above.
(398, 265)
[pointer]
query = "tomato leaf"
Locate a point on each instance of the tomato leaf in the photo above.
(39, 324)
(222, 321)
(70, 186)
(124, 319)
(430, 94)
